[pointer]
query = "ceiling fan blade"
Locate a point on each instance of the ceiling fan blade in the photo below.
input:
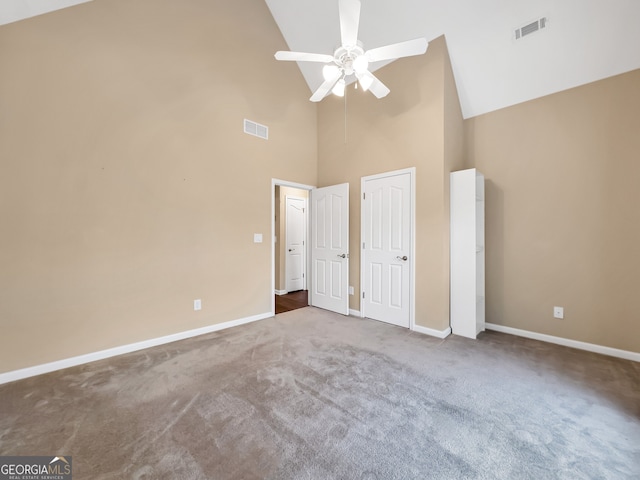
(398, 50)
(303, 57)
(349, 20)
(370, 82)
(326, 87)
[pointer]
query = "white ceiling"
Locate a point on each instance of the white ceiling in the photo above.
(14, 10)
(585, 41)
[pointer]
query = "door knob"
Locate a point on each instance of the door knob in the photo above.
(404, 258)
(291, 249)
(342, 256)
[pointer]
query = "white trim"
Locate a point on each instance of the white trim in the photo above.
(430, 331)
(355, 313)
(412, 290)
(589, 347)
(284, 183)
(280, 292)
(132, 347)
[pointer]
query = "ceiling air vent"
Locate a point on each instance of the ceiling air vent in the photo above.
(255, 129)
(530, 28)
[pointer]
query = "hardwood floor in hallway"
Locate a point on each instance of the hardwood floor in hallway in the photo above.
(292, 301)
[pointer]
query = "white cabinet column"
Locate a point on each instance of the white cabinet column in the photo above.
(467, 253)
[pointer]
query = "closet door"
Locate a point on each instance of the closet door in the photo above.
(387, 249)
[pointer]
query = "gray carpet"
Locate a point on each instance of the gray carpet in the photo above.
(313, 395)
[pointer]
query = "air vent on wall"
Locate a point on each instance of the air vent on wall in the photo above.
(255, 129)
(530, 28)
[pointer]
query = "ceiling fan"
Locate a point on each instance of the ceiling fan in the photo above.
(351, 59)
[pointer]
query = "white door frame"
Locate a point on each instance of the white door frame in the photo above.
(412, 260)
(301, 186)
(304, 241)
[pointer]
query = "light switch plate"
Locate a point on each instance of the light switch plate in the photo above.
(257, 238)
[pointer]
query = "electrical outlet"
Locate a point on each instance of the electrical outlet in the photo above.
(350, 290)
(558, 312)
(197, 304)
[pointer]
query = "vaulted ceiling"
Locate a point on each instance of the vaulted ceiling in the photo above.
(583, 41)
(14, 10)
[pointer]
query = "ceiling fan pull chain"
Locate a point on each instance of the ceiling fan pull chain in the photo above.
(345, 115)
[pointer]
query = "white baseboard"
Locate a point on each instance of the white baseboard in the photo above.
(430, 331)
(280, 292)
(355, 313)
(132, 347)
(590, 347)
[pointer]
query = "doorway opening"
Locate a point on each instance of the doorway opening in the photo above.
(290, 248)
(326, 254)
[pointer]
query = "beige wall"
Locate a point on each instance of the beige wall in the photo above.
(127, 188)
(281, 231)
(562, 221)
(405, 129)
(124, 175)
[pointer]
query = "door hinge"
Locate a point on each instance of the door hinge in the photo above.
(364, 195)
(362, 294)
(363, 245)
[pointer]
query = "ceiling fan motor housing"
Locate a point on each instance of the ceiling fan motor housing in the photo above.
(345, 57)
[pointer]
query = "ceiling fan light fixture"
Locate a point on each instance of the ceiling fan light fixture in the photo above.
(338, 88)
(365, 81)
(329, 71)
(361, 64)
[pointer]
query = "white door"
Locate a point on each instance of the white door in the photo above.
(295, 243)
(330, 248)
(387, 248)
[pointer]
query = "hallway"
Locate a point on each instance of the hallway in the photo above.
(292, 301)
